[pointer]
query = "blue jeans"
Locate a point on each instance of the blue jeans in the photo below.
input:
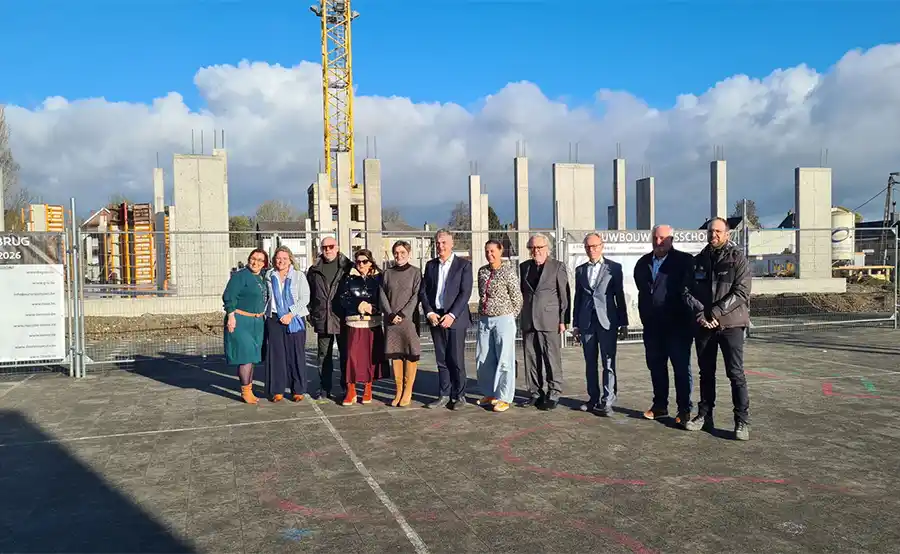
(495, 356)
(599, 345)
(664, 345)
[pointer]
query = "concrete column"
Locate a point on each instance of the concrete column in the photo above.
(475, 218)
(159, 222)
(718, 192)
(309, 245)
(812, 198)
(619, 220)
(372, 199)
(173, 248)
(201, 195)
(485, 220)
(520, 180)
(611, 218)
(646, 204)
(159, 191)
(323, 203)
(573, 194)
(343, 202)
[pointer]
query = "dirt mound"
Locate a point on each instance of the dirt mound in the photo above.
(873, 296)
(155, 325)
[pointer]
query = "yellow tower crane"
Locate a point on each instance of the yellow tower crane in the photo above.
(337, 83)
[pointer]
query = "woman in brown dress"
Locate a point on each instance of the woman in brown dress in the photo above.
(360, 297)
(400, 306)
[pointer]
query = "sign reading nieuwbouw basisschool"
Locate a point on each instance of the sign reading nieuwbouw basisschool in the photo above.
(33, 297)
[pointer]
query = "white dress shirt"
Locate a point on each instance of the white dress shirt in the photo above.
(443, 271)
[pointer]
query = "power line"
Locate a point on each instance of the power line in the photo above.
(870, 199)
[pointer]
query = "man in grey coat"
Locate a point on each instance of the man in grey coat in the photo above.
(545, 314)
(324, 314)
(599, 318)
(717, 292)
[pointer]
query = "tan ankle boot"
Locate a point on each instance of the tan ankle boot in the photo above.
(397, 366)
(409, 377)
(247, 394)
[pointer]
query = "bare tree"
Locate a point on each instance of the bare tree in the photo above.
(392, 215)
(278, 210)
(15, 198)
(752, 216)
(461, 219)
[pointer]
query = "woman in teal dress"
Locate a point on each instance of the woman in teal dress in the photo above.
(245, 299)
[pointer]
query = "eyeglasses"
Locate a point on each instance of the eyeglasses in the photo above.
(363, 261)
(328, 246)
(258, 259)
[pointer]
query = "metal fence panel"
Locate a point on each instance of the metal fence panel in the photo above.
(53, 248)
(152, 295)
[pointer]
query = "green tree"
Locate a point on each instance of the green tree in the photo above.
(241, 227)
(493, 219)
(117, 199)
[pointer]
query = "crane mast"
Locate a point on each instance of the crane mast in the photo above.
(337, 84)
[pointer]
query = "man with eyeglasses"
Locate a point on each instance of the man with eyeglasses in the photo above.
(324, 279)
(718, 294)
(545, 313)
(600, 318)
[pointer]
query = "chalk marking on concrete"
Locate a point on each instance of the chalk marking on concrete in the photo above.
(869, 385)
(836, 362)
(411, 534)
(308, 419)
(828, 390)
(16, 385)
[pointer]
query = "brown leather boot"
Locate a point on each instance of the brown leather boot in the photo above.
(247, 394)
(397, 366)
(367, 393)
(350, 399)
(409, 377)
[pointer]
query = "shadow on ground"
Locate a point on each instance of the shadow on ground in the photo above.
(51, 502)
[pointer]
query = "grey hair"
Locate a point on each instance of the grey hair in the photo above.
(591, 234)
(659, 226)
(542, 236)
(443, 232)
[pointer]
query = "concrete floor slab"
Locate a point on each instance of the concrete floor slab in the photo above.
(164, 458)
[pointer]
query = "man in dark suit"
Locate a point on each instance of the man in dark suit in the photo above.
(445, 292)
(545, 314)
(661, 276)
(599, 318)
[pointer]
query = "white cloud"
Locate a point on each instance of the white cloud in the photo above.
(92, 148)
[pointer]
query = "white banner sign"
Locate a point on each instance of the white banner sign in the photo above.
(33, 298)
(626, 248)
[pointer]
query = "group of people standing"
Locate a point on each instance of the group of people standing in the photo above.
(373, 317)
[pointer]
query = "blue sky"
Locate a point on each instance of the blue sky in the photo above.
(431, 50)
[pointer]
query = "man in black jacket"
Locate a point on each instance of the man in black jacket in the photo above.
(660, 279)
(718, 294)
(325, 315)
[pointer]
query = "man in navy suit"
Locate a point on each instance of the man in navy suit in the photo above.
(599, 318)
(445, 293)
(661, 277)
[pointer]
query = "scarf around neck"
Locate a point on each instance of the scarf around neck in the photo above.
(285, 300)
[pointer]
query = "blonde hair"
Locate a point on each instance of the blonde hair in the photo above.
(287, 251)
